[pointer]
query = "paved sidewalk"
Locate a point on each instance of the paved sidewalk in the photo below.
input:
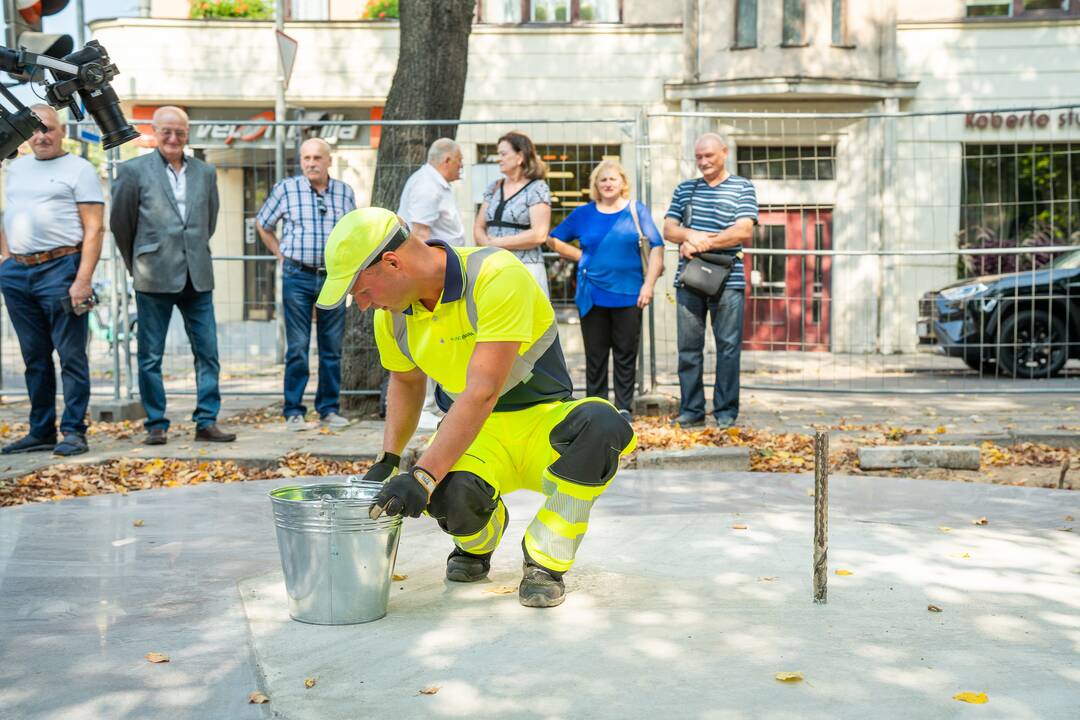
(671, 610)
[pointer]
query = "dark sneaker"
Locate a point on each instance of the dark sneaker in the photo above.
(72, 444)
(29, 443)
(463, 567)
(156, 436)
(212, 433)
(688, 421)
(540, 588)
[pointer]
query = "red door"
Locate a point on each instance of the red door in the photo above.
(787, 305)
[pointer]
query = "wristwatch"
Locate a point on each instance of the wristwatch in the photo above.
(425, 478)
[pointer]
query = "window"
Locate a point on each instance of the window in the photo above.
(839, 23)
(306, 9)
(988, 8)
(769, 162)
(770, 271)
(794, 17)
(549, 11)
(1022, 8)
(746, 23)
(1018, 194)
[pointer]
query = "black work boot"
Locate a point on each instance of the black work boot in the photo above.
(540, 587)
(463, 567)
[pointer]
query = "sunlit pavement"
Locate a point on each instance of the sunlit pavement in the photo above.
(671, 612)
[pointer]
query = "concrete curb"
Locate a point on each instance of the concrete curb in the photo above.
(699, 458)
(951, 457)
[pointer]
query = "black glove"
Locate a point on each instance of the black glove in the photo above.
(405, 494)
(385, 467)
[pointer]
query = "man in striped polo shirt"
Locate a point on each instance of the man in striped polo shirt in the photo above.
(308, 206)
(714, 213)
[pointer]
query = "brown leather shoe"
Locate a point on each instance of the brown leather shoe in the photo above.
(212, 433)
(156, 436)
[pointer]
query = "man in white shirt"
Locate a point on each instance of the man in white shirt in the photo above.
(50, 244)
(427, 203)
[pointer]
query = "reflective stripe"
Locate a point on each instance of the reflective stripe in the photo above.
(549, 548)
(401, 335)
(487, 539)
(569, 508)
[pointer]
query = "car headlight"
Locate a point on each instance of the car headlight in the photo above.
(964, 292)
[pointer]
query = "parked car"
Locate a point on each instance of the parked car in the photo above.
(1024, 324)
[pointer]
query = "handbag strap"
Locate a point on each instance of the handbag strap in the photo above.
(642, 240)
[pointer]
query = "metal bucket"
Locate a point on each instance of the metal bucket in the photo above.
(338, 562)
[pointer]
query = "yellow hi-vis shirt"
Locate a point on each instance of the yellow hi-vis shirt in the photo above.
(488, 296)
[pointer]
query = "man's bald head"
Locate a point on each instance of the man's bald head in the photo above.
(710, 155)
(315, 162)
(49, 144)
(710, 140)
(168, 114)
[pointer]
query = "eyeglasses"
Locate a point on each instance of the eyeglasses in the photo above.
(169, 132)
(320, 203)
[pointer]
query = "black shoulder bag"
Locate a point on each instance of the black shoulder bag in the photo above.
(707, 273)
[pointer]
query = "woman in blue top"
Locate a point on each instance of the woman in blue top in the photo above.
(611, 288)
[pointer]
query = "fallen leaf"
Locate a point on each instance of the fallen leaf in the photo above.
(944, 529)
(309, 683)
(430, 690)
(940, 430)
(326, 431)
(1068, 518)
(844, 572)
(399, 578)
(790, 677)
(980, 521)
(767, 578)
(137, 523)
(156, 657)
(810, 492)
(965, 556)
(502, 590)
(933, 608)
(738, 527)
(257, 698)
(971, 697)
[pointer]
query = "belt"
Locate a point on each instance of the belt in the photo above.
(312, 269)
(40, 258)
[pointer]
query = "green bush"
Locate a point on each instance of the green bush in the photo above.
(250, 9)
(380, 10)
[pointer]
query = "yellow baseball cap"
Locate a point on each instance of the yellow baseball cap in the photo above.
(356, 243)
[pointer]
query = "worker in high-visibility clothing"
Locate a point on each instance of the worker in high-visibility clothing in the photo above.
(476, 321)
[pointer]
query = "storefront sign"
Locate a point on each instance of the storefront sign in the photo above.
(238, 128)
(1033, 119)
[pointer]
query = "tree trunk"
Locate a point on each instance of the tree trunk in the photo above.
(429, 84)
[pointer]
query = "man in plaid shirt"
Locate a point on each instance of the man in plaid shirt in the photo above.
(308, 206)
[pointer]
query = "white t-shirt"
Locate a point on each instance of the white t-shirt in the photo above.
(427, 199)
(41, 202)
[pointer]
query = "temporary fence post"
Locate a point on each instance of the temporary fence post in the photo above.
(114, 286)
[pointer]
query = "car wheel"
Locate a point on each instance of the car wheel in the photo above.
(1033, 344)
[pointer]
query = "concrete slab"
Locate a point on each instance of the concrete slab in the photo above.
(112, 410)
(953, 457)
(671, 610)
(714, 459)
(1053, 438)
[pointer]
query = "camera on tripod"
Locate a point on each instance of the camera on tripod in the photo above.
(82, 75)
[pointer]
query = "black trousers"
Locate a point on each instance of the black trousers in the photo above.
(616, 331)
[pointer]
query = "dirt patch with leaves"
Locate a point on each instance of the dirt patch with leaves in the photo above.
(1026, 464)
(65, 481)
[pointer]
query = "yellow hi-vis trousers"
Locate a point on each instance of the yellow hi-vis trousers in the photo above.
(567, 451)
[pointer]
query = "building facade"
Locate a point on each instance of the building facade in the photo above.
(825, 180)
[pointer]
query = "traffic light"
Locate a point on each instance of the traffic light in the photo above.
(24, 29)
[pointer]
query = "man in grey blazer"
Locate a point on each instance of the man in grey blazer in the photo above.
(164, 210)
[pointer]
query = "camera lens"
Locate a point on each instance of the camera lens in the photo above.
(104, 106)
(22, 124)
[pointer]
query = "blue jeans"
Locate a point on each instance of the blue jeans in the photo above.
(727, 327)
(197, 310)
(33, 295)
(299, 290)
